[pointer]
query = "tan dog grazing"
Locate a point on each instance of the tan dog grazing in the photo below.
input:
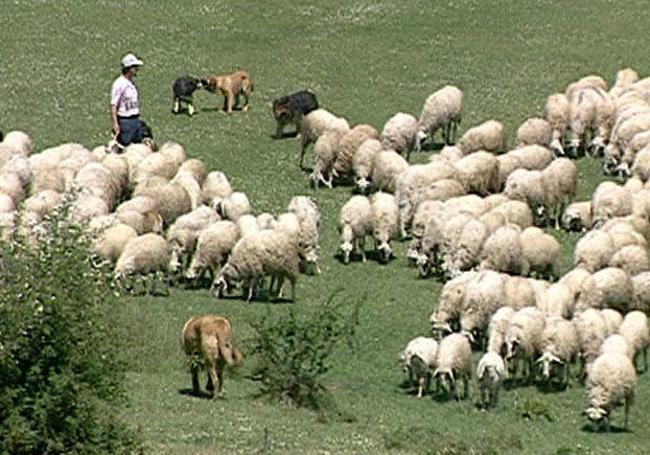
(231, 86)
(207, 339)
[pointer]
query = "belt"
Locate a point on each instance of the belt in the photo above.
(119, 117)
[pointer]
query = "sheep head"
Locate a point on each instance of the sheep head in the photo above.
(598, 417)
(548, 360)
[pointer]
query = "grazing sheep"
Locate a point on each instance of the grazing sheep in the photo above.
(443, 110)
(143, 255)
(535, 131)
(503, 251)
(610, 287)
(507, 163)
(520, 292)
(234, 206)
(208, 340)
(19, 141)
(489, 136)
(524, 339)
(516, 212)
(387, 166)
(424, 211)
(592, 331)
(560, 347)
(616, 344)
(610, 200)
(196, 167)
(463, 254)
(315, 124)
(385, 223)
(182, 235)
(527, 186)
(542, 252)
(267, 252)
(446, 316)
(533, 157)
(611, 380)
(478, 172)
(483, 296)
(560, 180)
(624, 79)
(558, 302)
(623, 234)
(363, 162)
(419, 357)
(325, 151)
(111, 242)
(632, 258)
(557, 114)
(247, 224)
(635, 330)
(399, 133)
(641, 166)
(454, 363)
(593, 251)
(641, 298)
(347, 148)
(577, 216)
(213, 245)
(355, 222)
(215, 188)
(590, 81)
(497, 329)
(308, 215)
(491, 372)
(613, 320)
(187, 181)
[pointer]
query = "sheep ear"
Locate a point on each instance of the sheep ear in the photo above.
(469, 335)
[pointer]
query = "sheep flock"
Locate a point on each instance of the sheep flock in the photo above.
(477, 216)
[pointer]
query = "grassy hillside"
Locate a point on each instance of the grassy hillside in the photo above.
(366, 60)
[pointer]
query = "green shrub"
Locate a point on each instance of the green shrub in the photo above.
(60, 380)
(293, 353)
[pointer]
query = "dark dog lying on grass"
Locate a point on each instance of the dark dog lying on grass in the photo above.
(292, 108)
(184, 88)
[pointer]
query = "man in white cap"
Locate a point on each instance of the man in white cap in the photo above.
(125, 105)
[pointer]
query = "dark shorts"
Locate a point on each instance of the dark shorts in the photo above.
(132, 131)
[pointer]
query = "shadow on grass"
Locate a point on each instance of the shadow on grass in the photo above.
(285, 135)
(195, 394)
(588, 428)
(432, 147)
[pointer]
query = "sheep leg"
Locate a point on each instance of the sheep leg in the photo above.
(194, 370)
(302, 153)
(362, 247)
(627, 412)
(421, 383)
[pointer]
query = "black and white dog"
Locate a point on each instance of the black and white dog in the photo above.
(292, 108)
(184, 88)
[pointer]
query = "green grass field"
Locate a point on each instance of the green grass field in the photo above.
(366, 60)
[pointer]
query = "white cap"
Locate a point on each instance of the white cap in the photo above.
(131, 60)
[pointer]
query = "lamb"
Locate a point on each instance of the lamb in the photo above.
(491, 372)
(315, 124)
(612, 380)
(632, 258)
(387, 166)
(527, 186)
(524, 338)
(489, 136)
(234, 206)
(610, 287)
(419, 357)
(634, 329)
(593, 251)
(143, 255)
(560, 347)
(363, 161)
(454, 363)
(557, 114)
(536, 131)
(213, 245)
(443, 110)
(592, 331)
(560, 180)
(355, 222)
(542, 252)
(309, 218)
(215, 188)
(348, 146)
(577, 216)
(208, 340)
(479, 173)
(503, 251)
(399, 133)
(385, 223)
(111, 242)
(267, 252)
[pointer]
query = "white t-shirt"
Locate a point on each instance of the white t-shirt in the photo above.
(124, 95)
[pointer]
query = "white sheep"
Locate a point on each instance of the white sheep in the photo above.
(641, 286)
(559, 301)
(516, 212)
(635, 330)
(143, 255)
(197, 168)
(557, 114)
(613, 320)
(542, 252)
(111, 242)
(325, 150)
(503, 251)
(463, 254)
(489, 136)
(315, 124)
(443, 110)
(624, 79)
(560, 348)
(574, 279)
(592, 331)
(355, 222)
(182, 234)
(632, 258)
(454, 363)
(641, 165)
(363, 162)
(213, 245)
(215, 188)
(308, 215)
(483, 296)
(524, 339)
(19, 141)
(610, 287)
(527, 186)
(577, 216)
(490, 372)
(419, 357)
(478, 172)
(187, 181)
(387, 166)
(611, 381)
(507, 163)
(535, 130)
(234, 206)
(347, 148)
(497, 329)
(616, 344)
(399, 133)
(385, 223)
(593, 251)
(610, 200)
(560, 180)
(447, 313)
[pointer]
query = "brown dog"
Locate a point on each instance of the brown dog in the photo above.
(208, 339)
(231, 86)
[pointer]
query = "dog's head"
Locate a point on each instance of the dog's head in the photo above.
(210, 83)
(281, 109)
